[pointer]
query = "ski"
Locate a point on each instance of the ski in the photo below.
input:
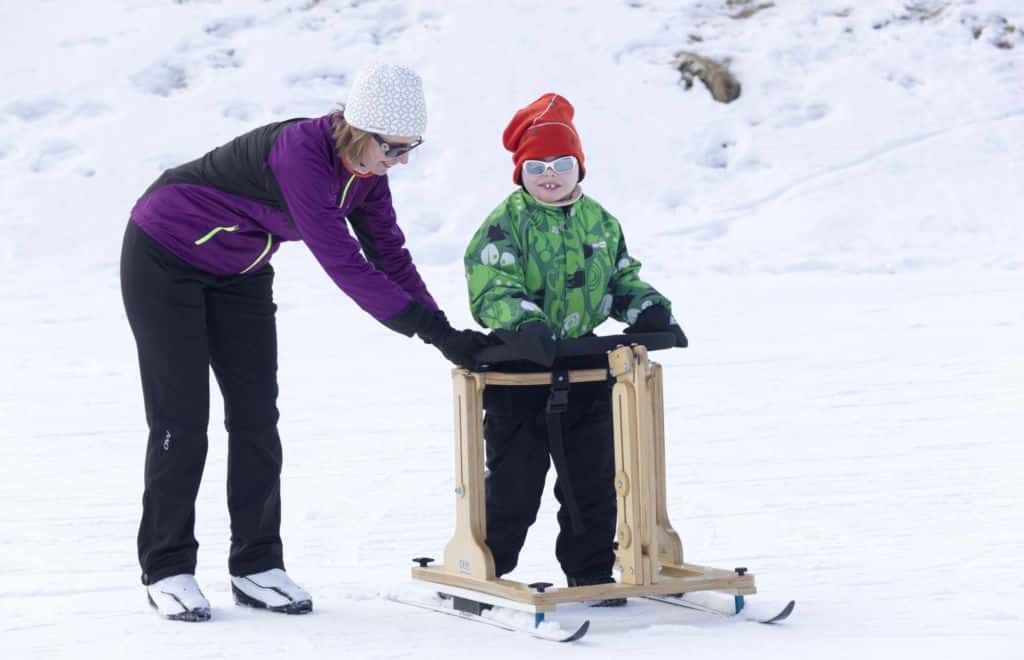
(537, 633)
(707, 609)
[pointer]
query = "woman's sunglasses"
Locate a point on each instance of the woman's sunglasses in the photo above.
(394, 151)
(559, 165)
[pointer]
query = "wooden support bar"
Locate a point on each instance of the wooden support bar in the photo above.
(669, 547)
(467, 552)
(645, 461)
(629, 550)
(693, 579)
(544, 378)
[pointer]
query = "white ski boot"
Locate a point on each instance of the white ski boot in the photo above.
(272, 590)
(178, 598)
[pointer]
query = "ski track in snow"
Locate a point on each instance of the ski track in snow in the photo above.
(842, 245)
(795, 187)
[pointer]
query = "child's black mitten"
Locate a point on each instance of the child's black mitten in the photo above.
(657, 319)
(533, 341)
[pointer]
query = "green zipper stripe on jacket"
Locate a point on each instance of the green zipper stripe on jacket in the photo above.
(214, 232)
(270, 242)
(344, 193)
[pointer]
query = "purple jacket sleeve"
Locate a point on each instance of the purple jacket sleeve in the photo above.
(384, 244)
(303, 173)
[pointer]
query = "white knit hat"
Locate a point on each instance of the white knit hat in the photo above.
(387, 99)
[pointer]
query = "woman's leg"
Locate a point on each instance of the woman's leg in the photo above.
(243, 349)
(163, 298)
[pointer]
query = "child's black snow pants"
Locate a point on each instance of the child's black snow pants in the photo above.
(517, 451)
(186, 321)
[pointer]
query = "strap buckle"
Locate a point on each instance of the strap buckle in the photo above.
(558, 400)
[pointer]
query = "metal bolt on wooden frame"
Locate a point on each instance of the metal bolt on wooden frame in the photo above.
(649, 552)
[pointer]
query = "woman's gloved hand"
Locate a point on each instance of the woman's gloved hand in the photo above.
(457, 346)
(658, 319)
(433, 326)
(460, 347)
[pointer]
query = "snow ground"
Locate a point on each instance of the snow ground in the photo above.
(843, 246)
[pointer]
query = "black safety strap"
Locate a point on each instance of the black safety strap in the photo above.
(558, 403)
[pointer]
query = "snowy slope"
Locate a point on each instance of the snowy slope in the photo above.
(843, 245)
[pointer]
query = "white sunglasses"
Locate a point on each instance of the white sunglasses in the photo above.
(559, 165)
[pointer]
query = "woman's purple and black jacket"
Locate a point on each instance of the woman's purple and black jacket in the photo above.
(228, 212)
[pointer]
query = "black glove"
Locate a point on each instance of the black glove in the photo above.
(657, 319)
(433, 327)
(461, 346)
(418, 319)
(681, 340)
(653, 319)
(457, 346)
(533, 341)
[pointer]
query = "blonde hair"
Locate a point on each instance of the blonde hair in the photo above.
(349, 142)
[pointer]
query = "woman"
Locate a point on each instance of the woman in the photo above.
(197, 290)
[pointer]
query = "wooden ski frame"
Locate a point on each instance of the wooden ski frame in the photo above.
(649, 553)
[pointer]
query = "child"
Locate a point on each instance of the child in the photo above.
(550, 263)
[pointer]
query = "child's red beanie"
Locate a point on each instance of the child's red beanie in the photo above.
(541, 130)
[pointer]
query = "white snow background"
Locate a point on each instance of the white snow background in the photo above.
(843, 245)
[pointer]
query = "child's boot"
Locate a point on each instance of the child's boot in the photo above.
(590, 580)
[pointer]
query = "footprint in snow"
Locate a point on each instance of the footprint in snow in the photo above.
(90, 109)
(225, 27)
(793, 115)
(53, 153)
(718, 154)
(225, 58)
(905, 80)
(816, 111)
(312, 23)
(318, 77)
(33, 109)
(241, 110)
(161, 78)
